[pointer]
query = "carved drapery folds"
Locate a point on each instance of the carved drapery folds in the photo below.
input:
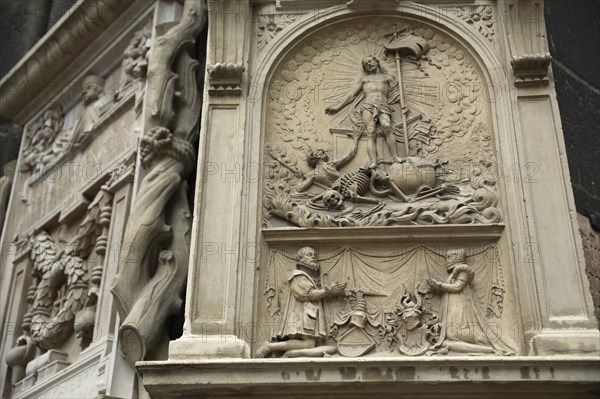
(153, 266)
(393, 303)
(370, 125)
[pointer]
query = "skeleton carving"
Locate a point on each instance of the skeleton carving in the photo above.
(352, 187)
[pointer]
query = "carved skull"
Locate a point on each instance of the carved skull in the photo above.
(332, 199)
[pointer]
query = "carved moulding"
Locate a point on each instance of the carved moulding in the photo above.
(225, 78)
(353, 301)
(351, 163)
(531, 69)
(530, 58)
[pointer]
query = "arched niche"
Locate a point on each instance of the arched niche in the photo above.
(458, 108)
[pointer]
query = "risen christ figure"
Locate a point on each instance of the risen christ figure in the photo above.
(375, 86)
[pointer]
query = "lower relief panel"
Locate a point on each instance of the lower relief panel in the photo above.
(368, 300)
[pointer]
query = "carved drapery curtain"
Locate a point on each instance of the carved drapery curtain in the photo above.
(385, 274)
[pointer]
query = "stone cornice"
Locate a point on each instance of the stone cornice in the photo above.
(67, 39)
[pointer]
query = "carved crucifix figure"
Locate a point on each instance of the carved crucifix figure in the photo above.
(302, 329)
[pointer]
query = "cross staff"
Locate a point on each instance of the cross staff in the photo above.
(405, 44)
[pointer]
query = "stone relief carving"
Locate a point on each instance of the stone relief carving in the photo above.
(413, 327)
(93, 89)
(269, 26)
(355, 303)
(153, 266)
(303, 328)
(378, 78)
(465, 328)
(47, 140)
(135, 56)
(360, 329)
(40, 137)
(480, 17)
(63, 293)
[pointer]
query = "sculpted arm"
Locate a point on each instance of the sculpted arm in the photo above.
(304, 291)
(356, 90)
(454, 288)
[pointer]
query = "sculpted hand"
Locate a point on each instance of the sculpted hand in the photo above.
(433, 283)
(336, 288)
(331, 110)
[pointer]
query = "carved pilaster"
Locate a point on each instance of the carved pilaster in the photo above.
(530, 58)
(226, 61)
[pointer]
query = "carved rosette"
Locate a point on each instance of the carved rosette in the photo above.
(480, 17)
(269, 25)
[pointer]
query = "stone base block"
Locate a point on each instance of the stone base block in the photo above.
(208, 347)
(51, 369)
(435, 377)
(562, 342)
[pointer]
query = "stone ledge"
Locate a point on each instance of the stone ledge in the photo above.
(408, 233)
(537, 377)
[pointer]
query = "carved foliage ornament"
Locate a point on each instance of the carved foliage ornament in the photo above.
(480, 17)
(135, 56)
(269, 26)
(47, 140)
